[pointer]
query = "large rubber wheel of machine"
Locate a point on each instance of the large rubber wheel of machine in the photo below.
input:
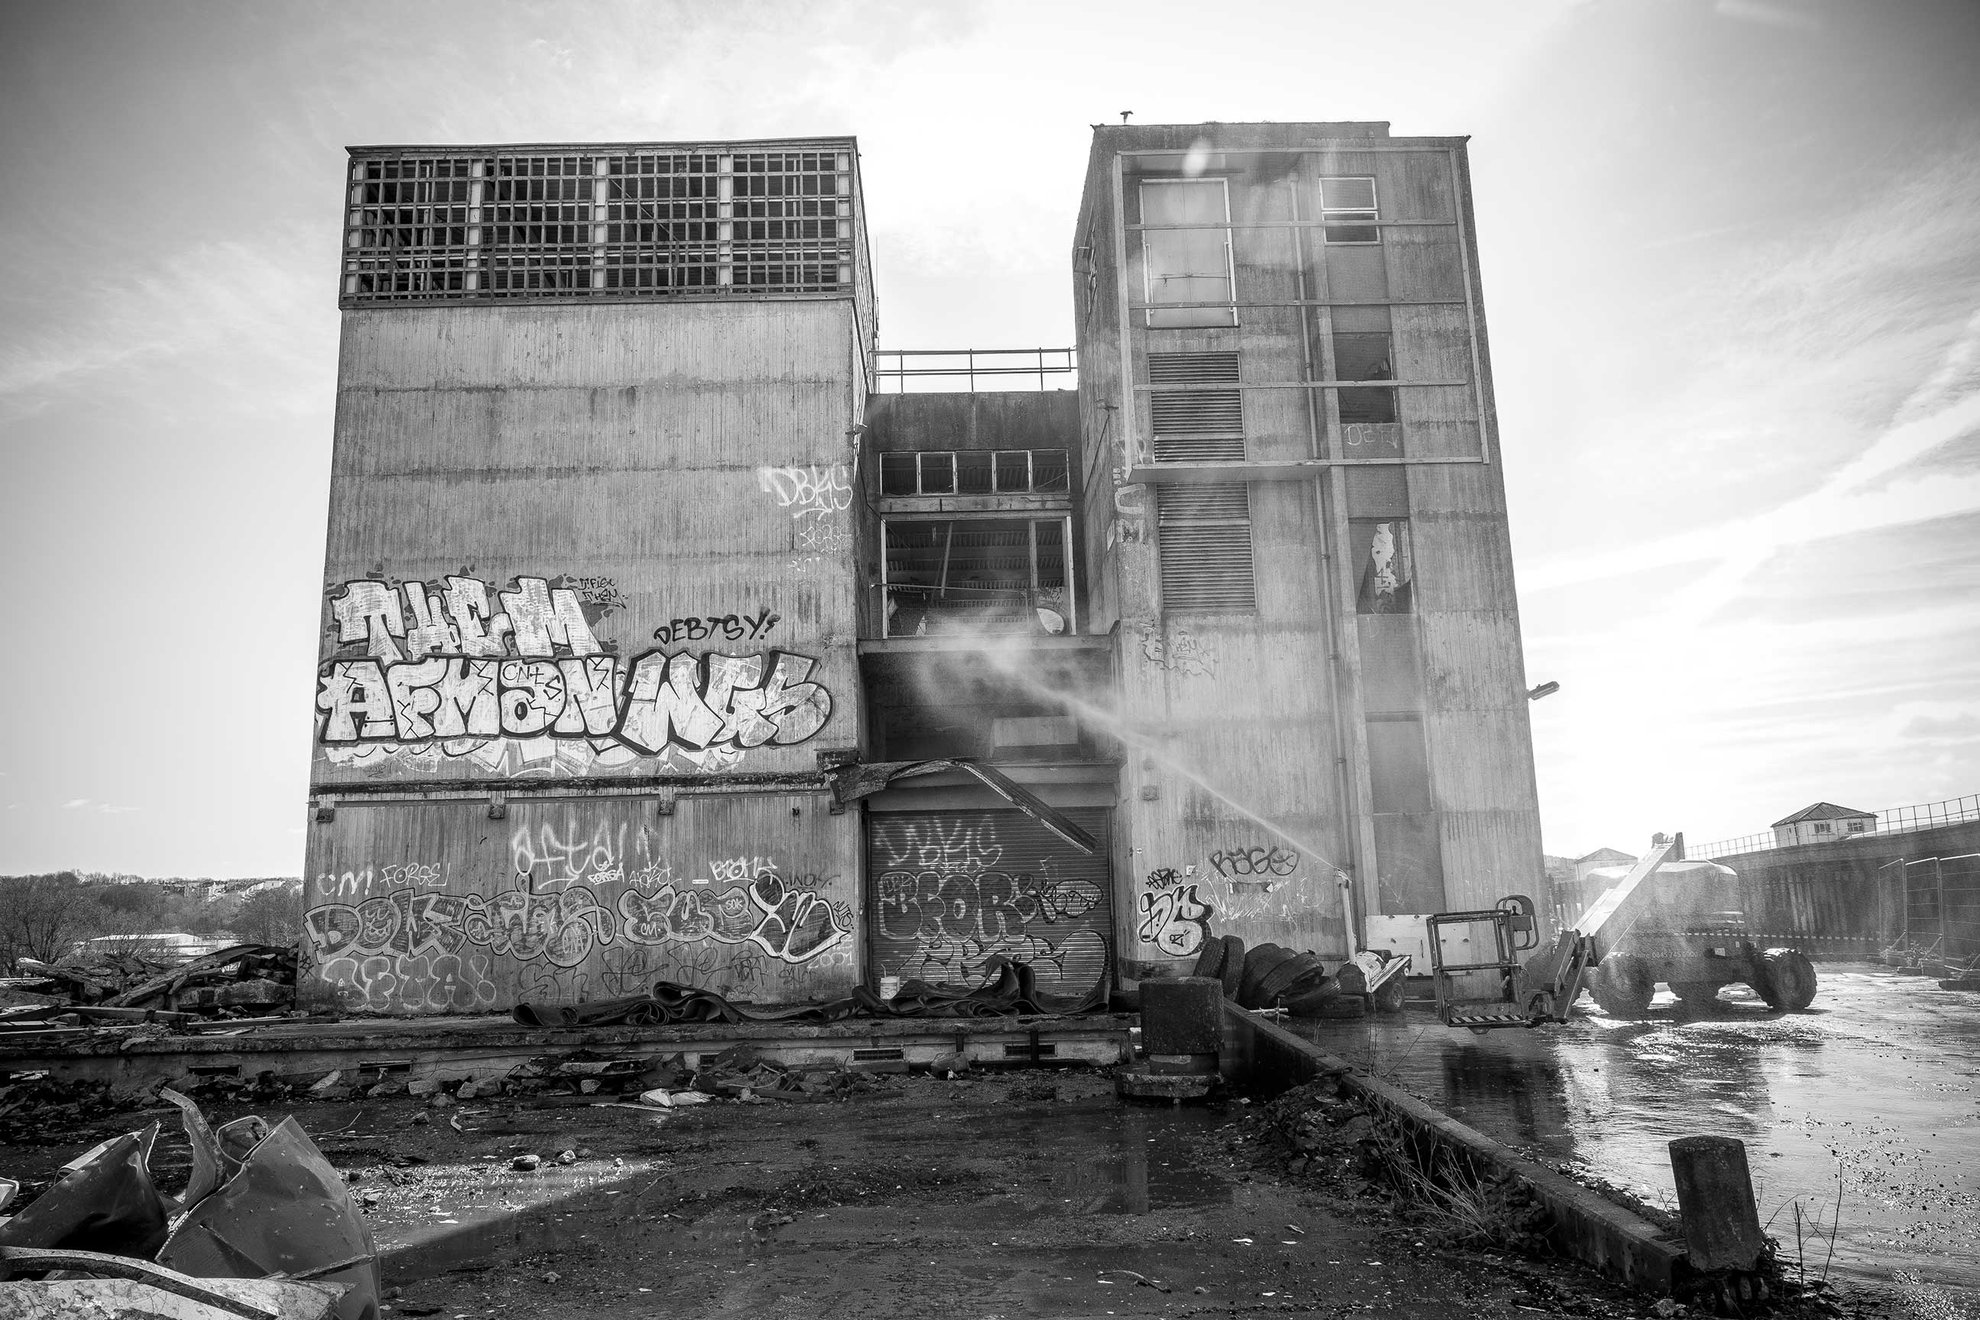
(1789, 980)
(1391, 997)
(1696, 994)
(1622, 985)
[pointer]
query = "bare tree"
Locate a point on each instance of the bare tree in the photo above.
(41, 916)
(273, 916)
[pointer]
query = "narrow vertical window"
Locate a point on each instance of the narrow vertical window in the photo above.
(1191, 264)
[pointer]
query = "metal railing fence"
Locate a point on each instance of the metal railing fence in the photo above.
(1891, 820)
(931, 370)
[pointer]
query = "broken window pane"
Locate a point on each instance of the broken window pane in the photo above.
(897, 474)
(938, 474)
(1365, 356)
(1385, 571)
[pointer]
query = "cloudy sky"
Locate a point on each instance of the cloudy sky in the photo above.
(1731, 255)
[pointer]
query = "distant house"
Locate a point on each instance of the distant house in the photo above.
(1822, 822)
(1600, 857)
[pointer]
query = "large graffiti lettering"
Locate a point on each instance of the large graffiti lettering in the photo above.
(957, 918)
(808, 492)
(1175, 919)
(439, 983)
(516, 682)
(562, 928)
(935, 844)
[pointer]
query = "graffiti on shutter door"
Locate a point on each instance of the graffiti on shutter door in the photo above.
(952, 889)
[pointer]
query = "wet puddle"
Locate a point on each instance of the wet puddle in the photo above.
(1103, 1158)
(1862, 1112)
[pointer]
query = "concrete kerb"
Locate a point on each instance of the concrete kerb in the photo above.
(1585, 1226)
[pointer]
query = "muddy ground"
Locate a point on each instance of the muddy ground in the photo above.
(1014, 1194)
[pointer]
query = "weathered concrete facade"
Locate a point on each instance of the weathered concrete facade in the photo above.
(658, 645)
(590, 615)
(1297, 520)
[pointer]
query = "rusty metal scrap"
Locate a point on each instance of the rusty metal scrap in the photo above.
(262, 1204)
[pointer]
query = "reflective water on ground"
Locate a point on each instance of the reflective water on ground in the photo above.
(1862, 1112)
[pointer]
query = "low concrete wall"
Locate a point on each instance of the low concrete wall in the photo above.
(1585, 1227)
(490, 1047)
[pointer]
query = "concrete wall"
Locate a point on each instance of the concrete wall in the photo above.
(574, 547)
(1264, 714)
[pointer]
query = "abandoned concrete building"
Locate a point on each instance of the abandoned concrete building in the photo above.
(672, 630)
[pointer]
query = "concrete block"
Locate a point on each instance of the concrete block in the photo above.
(1182, 1016)
(1715, 1198)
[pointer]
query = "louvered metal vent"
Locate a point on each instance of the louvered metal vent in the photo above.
(1204, 538)
(1199, 425)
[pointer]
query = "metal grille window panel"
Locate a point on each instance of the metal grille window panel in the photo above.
(663, 215)
(555, 225)
(1203, 536)
(1200, 426)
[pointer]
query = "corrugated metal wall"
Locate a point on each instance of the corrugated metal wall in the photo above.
(434, 907)
(950, 889)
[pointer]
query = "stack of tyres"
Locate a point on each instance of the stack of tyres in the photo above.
(1272, 976)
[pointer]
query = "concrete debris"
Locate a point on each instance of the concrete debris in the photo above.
(111, 991)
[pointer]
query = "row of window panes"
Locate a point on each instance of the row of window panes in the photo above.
(1855, 827)
(1194, 265)
(974, 472)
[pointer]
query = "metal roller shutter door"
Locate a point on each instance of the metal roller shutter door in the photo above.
(952, 888)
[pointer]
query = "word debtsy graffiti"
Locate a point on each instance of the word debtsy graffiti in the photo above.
(730, 627)
(442, 666)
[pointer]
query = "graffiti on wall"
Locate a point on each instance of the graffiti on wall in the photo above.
(717, 627)
(1178, 651)
(808, 492)
(1255, 862)
(942, 891)
(1250, 872)
(403, 947)
(1175, 918)
(819, 544)
(527, 688)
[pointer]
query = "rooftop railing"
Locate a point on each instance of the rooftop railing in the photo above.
(937, 370)
(1891, 820)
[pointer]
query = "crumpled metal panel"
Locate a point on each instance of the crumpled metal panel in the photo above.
(105, 1201)
(286, 1212)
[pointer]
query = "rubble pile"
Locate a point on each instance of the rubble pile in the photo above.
(123, 991)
